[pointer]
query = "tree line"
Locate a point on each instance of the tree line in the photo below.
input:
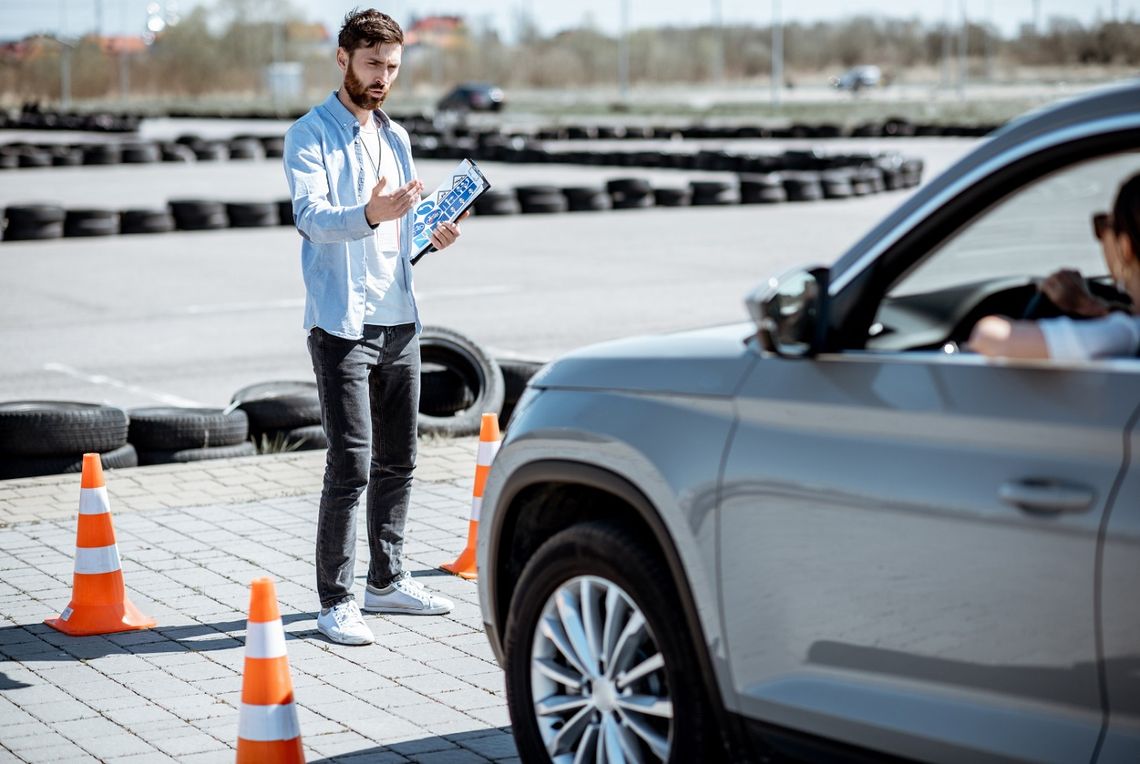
(208, 53)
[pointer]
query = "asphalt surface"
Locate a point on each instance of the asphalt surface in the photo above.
(188, 318)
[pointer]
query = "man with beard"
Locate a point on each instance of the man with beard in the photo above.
(353, 185)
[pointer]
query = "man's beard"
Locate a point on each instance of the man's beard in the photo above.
(358, 92)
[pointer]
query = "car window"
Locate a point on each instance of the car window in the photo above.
(1036, 231)
(992, 263)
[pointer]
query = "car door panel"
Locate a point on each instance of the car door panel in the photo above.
(876, 587)
(1120, 613)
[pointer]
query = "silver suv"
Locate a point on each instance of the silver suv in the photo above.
(830, 533)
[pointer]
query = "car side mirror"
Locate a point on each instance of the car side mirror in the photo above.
(790, 311)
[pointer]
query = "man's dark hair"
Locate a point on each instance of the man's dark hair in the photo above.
(366, 29)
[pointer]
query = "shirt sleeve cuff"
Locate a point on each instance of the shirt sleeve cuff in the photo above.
(358, 225)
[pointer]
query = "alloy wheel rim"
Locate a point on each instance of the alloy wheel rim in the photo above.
(598, 679)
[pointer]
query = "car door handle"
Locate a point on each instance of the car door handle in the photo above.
(1047, 497)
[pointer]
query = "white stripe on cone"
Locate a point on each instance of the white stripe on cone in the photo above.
(268, 723)
(487, 451)
(476, 507)
(265, 639)
(94, 501)
(99, 559)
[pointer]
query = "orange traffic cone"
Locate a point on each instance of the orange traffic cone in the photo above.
(489, 440)
(99, 603)
(268, 730)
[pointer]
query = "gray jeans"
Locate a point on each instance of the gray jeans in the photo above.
(369, 391)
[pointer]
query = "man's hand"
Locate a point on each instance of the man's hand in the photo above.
(394, 205)
(445, 234)
(1068, 290)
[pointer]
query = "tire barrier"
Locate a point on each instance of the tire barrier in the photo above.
(825, 181)
(32, 117)
(50, 437)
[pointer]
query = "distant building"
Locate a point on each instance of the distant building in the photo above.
(444, 32)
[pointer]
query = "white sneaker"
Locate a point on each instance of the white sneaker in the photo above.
(405, 596)
(342, 623)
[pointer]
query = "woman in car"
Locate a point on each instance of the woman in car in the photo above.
(1115, 334)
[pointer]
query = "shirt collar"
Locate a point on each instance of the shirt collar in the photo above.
(346, 118)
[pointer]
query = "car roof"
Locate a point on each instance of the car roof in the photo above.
(1115, 104)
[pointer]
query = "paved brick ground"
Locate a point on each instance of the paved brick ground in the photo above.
(191, 538)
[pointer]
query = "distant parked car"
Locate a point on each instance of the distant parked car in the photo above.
(859, 78)
(830, 534)
(473, 96)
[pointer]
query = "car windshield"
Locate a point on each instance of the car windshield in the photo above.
(1036, 231)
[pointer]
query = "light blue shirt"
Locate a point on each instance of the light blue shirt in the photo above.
(329, 183)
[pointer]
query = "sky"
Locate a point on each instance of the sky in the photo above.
(75, 17)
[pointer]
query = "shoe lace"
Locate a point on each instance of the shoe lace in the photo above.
(345, 612)
(409, 585)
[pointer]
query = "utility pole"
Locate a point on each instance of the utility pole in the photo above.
(718, 43)
(777, 54)
(963, 49)
(945, 74)
(623, 52)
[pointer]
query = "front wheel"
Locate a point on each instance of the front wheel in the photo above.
(600, 667)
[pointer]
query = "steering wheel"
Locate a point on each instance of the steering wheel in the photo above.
(1037, 304)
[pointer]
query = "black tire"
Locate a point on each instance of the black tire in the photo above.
(169, 428)
(198, 215)
(448, 349)
(273, 146)
(141, 153)
(586, 199)
(146, 221)
(497, 202)
(285, 212)
(213, 151)
(101, 154)
(33, 214)
(443, 392)
(543, 205)
(26, 222)
(310, 438)
(803, 186)
(762, 188)
(252, 214)
(91, 223)
(540, 199)
(614, 555)
(176, 152)
(672, 197)
(714, 192)
(836, 184)
(52, 428)
(279, 405)
(35, 466)
(245, 148)
(516, 375)
(185, 456)
(630, 193)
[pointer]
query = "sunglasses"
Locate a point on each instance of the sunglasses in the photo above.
(1101, 222)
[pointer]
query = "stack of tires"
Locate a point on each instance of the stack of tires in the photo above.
(283, 416)
(50, 437)
(169, 435)
(33, 221)
(630, 193)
